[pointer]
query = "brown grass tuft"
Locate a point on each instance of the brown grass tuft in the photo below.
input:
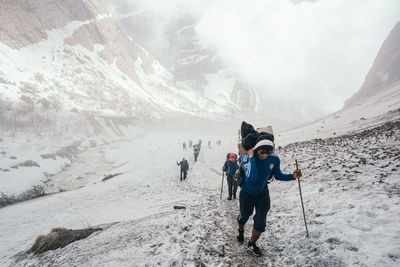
(59, 238)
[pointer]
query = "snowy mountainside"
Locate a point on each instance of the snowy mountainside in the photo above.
(197, 68)
(350, 188)
(74, 54)
(385, 72)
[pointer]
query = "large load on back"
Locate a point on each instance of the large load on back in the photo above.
(248, 136)
(247, 139)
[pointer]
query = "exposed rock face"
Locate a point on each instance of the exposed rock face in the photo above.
(385, 71)
(24, 22)
(74, 54)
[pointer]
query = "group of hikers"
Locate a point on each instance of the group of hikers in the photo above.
(252, 169)
(184, 164)
(190, 144)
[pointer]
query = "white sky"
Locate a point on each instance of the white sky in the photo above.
(313, 53)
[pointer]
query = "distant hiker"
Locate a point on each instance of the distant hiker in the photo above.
(218, 142)
(184, 146)
(258, 165)
(230, 168)
(209, 144)
(190, 144)
(184, 168)
(196, 151)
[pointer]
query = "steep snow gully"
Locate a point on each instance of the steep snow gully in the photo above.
(350, 185)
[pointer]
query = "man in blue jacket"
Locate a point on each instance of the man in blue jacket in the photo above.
(230, 168)
(259, 164)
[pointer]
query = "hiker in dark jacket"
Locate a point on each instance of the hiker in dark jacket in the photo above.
(184, 146)
(184, 168)
(259, 164)
(196, 151)
(230, 168)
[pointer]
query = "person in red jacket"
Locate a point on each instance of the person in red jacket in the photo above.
(230, 168)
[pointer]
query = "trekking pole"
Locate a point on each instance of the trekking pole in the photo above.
(222, 184)
(301, 198)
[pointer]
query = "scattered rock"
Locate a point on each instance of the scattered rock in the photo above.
(179, 207)
(394, 256)
(334, 240)
(352, 248)
(48, 156)
(107, 177)
(13, 157)
(28, 163)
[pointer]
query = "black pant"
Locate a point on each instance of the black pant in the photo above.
(232, 186)
(195, 156)
(248, 202)
(184, 172)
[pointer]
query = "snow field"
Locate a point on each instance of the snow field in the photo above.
(350, 188)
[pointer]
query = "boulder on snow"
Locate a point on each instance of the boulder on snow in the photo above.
(109, 176)
(28, 163)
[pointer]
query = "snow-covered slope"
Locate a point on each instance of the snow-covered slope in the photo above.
(176, 45)
(375, 110)
(74, 54)
(377, 101)
(350, 187)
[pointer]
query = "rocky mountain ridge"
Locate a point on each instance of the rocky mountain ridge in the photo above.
(73, 55)
(385, 72)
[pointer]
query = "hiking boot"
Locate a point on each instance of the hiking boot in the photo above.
(240, 237)
(253, 248)
(229, 198)
(234, 196)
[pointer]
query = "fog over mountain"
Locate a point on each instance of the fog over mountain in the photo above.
(302, 58)
(375, 103)
(176, 45)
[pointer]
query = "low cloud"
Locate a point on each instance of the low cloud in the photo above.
(315, 54)
(309, 55)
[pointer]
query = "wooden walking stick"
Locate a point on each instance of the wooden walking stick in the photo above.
(302, 204)
(222, 184)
